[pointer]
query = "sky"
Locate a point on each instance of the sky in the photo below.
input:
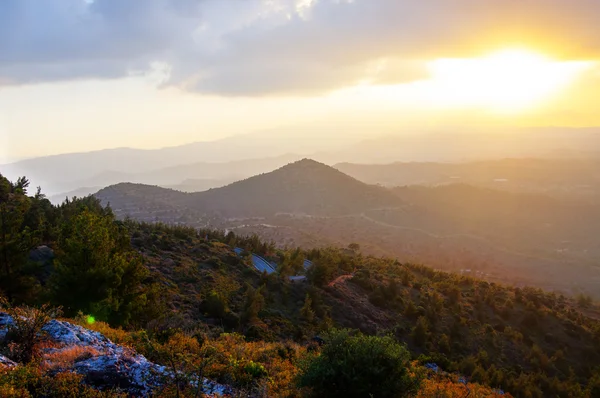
(80, 75)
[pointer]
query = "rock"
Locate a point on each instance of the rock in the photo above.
(134, 374)
(69, 334)
(5, 321)
(6, 362)
(110, 366)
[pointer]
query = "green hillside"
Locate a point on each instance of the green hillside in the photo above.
(165, 281)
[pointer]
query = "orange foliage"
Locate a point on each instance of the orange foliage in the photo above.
(448, 388)
(65, 358)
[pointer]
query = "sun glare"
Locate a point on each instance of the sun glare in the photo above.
(506, 81)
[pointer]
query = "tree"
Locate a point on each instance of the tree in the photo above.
(355, 247)
(410, 311)
(306, 311)
(215, 305)
(96, 270)
(355, 365)
(584, 300)
(420, 333)
(16, 239)
(321, 272)
(284, 270)
(254, 303)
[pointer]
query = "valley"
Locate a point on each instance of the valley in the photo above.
(498, 235)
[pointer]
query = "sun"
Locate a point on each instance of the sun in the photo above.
(506, 81)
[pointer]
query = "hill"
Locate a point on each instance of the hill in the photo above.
(182, 292)
(303, 187)
(149, 203)
(164, 166)
(519, 238)
(560, 177)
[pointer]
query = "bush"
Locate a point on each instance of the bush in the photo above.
(25, 336)
(355, 365)
(30, 381)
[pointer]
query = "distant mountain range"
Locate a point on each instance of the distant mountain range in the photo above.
(304, 187)
(220, 160)
(504, 236)
(572, 177)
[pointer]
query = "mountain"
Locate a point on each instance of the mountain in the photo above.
(219, 171)
(149, 203)
(505, 236)
(339, 143)
(199, 184)
(193, 177)
(79, 193)
(474, 144)
(564, 177)
(67, 172)
(192, 302)
(303, 187)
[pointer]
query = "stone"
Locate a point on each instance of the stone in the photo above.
(6, 362)
(113, 366)
(5, 321)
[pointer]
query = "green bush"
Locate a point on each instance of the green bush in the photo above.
(355, 365)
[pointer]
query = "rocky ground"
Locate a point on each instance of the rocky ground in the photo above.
(103, 364)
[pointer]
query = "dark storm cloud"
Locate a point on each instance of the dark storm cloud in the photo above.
(252, 47)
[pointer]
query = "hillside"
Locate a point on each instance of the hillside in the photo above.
(516, 339)
(503, 236)
(182, 291)
(148, 203)
(560, 177)
(303, 187)
(500, 236)
(67, 172)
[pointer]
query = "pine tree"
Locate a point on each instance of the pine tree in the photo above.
(306, 311)
(420, 333)
(254, 303)
(96, 271)
(16, 239)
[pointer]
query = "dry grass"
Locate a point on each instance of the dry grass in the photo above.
(66, 357)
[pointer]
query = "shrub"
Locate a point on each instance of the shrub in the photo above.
(584, 300)
(30, 381)
(359, 366)
(25, 336)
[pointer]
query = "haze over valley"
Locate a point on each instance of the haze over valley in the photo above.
(299, 198)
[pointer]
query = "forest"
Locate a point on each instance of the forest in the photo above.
(182, 296)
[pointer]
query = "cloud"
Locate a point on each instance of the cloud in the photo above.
(258, 47)
(69, 39)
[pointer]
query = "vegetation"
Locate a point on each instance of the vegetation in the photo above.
(480, 227)
(184, 299)
(359, 366)
(24, 337)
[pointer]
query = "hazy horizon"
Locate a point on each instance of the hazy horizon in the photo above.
(300, 198)
(80, 75)
(382, 134)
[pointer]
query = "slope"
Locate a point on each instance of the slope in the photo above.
(561, 177)
(148, 203)
(303, 187)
